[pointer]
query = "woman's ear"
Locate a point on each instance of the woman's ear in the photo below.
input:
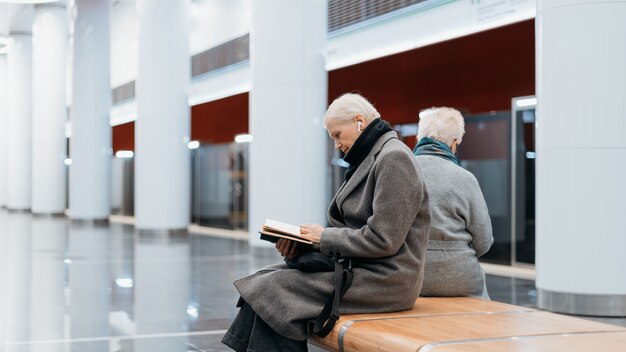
(454, 146)
(360, 122)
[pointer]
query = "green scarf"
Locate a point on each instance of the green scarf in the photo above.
(431, 146)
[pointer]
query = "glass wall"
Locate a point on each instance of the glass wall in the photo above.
(523, 180)
(491, 142)
(220, 186)
(485, 152)
(123, 186)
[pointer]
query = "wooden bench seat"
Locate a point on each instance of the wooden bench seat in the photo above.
(614, 341)
(456, 323)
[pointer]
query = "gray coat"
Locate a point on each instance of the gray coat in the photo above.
(460, 230)
(384, 216)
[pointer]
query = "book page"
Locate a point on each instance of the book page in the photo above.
(274, 236)
(282, 227)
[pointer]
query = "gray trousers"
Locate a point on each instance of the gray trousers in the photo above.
(249, 333)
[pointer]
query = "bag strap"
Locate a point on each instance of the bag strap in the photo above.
(330, 314)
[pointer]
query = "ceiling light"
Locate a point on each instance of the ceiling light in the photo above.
(526, 102)
(124, 154)
(193, 145)
(243, 138)
(124, 282)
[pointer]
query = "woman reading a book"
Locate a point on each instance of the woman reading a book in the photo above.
(379, 218)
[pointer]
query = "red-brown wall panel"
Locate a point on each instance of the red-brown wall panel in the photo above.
(220, 120)
(213, 122)
(475, 73)
(123, 137)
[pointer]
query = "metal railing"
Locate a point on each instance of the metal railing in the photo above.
(343, 13)
(224, 55)
(123, 93)
(231, 53)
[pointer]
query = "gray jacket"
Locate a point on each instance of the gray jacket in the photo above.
(385, 217)
(460, 230)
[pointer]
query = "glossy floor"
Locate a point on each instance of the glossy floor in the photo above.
(78, 287)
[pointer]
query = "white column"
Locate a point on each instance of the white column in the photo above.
(50, 42)
(49, 242)
(288, 168)
(4, 117)
(19, 120)
(162, 160)
(90, 144)
(581, 156)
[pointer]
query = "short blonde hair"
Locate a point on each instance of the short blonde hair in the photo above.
(444, 124)
(347, 106)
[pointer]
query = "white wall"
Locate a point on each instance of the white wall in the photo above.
(423, 27)
(123, 42)
(214, 22)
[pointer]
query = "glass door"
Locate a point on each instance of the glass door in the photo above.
(523, 180)
(485, 152)
(220, 186)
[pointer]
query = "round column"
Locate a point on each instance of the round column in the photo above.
(4, 116)
(19, 120)
(90, 144)
(581, 152)
(288, 167)
(162, 158)
(50, 31)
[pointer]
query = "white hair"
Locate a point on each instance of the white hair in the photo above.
(443, 124)
(347, 106)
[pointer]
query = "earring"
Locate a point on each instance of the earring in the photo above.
(358, 126)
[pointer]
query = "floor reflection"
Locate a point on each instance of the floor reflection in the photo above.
(81, 286)
(89, 282)
(162, 279)
(47, 301)
(17, 273)
(68, 286)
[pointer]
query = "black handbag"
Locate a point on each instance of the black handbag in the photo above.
(318, 262)
(311, 262)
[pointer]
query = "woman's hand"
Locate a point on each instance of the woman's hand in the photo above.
(286, 248)
(311, 232)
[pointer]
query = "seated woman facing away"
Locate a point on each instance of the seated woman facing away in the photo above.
(380, 216)
(460, 229)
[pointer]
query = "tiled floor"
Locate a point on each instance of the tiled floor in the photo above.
(71, 287)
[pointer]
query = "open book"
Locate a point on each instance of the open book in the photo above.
(273, 230)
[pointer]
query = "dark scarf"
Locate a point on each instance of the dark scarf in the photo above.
(364, 144)
(431, 146)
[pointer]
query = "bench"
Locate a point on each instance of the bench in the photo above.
(469, 324)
